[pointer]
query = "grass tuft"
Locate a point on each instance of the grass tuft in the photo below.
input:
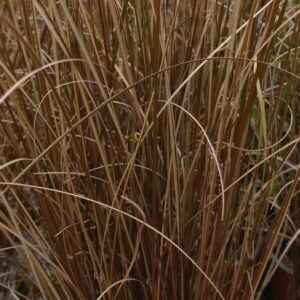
(148, 149)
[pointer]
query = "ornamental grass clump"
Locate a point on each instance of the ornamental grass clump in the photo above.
(148, 149)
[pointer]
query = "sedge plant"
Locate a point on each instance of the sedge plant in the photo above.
(148, 149)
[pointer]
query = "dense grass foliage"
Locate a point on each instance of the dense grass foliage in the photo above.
(149, 149)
